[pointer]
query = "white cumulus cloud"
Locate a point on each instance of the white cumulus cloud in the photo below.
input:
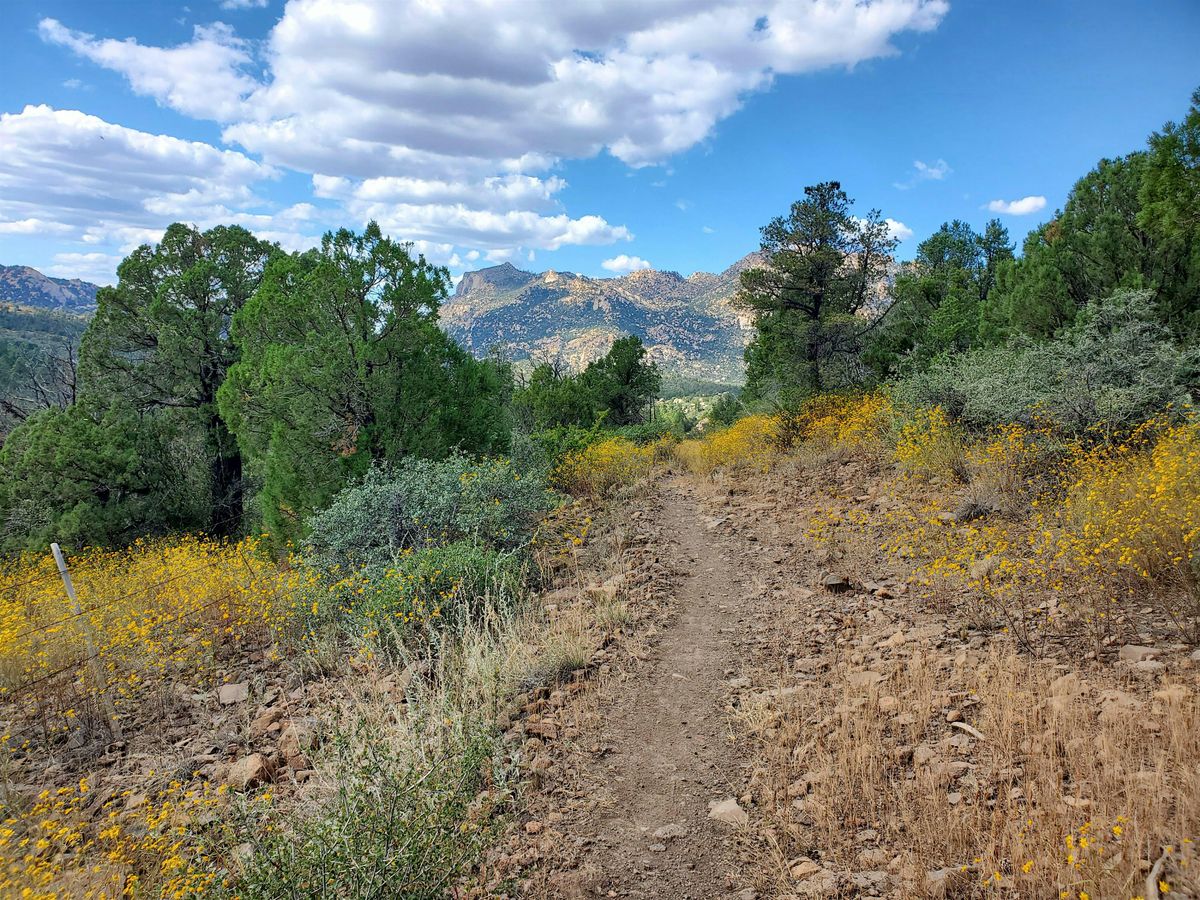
(98, 268)
(623, 263)
(442, 120)
(923, 171)
(205, 77)
(1022, 207)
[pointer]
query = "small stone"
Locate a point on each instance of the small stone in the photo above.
(262, 724)
(954, 798)
(728, 811)
(229, 694)
(533, 826)
(939, 881)
(296, 739)
(1135, 653)
(873, 858)
(248, 772)
(802, 868)
(866, 679)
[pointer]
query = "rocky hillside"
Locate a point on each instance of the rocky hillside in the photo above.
(687, 323)
(25, 286)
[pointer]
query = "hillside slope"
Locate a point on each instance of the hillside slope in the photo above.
(688, 324)
(26, 286)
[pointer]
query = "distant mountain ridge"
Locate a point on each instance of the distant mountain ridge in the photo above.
(688, 324)
(26, 286)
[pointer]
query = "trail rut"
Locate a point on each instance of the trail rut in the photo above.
(668, 750)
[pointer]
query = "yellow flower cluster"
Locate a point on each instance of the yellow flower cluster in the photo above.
(1135, 514)
(928, 444)
(844, 421)
(598, 468)
(154, 613)
(1106, 524)
(750, 443)
(67, 844)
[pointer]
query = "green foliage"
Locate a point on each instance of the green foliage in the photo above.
(421, 600)
(395, 827)
(822, 266)
(726, 410)
(343, 364)
(682, 386)
(1117, 366)
(160, 342)
(83, 476)
(542, 450)
(1130, 223)
(417, 503)
(1170, 213)
(616, 389)
(937, 298)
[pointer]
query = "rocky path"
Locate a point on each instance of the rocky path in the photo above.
(667, 754)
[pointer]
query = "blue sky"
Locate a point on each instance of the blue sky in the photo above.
(590, 137)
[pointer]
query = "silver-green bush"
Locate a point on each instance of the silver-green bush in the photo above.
(1115, 367)
(422, 503)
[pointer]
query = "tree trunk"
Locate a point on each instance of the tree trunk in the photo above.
(226, 483)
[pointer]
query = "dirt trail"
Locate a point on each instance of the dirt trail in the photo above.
(668, 751)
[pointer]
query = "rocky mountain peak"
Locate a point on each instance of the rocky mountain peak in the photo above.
(26, 286)
(687, 323)
(503, 277)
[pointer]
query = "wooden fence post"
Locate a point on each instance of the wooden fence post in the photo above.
(114, 725)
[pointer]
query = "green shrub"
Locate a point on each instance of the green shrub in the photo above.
(423, 598)
(649, 432)
(395, 827)
(726, 410)
(421, 503)
(550, 446)
(1115, 367)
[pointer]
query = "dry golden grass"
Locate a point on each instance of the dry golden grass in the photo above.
(1066, 777)
(1058, 783)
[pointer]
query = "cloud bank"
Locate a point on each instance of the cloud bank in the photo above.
(446, 122)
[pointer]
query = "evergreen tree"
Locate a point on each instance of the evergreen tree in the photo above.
(160, 344)
(1170, 214)
(343, 363)
(83, 475)
(937, 297)
(622, 382)
(823, 268)
(616, 389)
